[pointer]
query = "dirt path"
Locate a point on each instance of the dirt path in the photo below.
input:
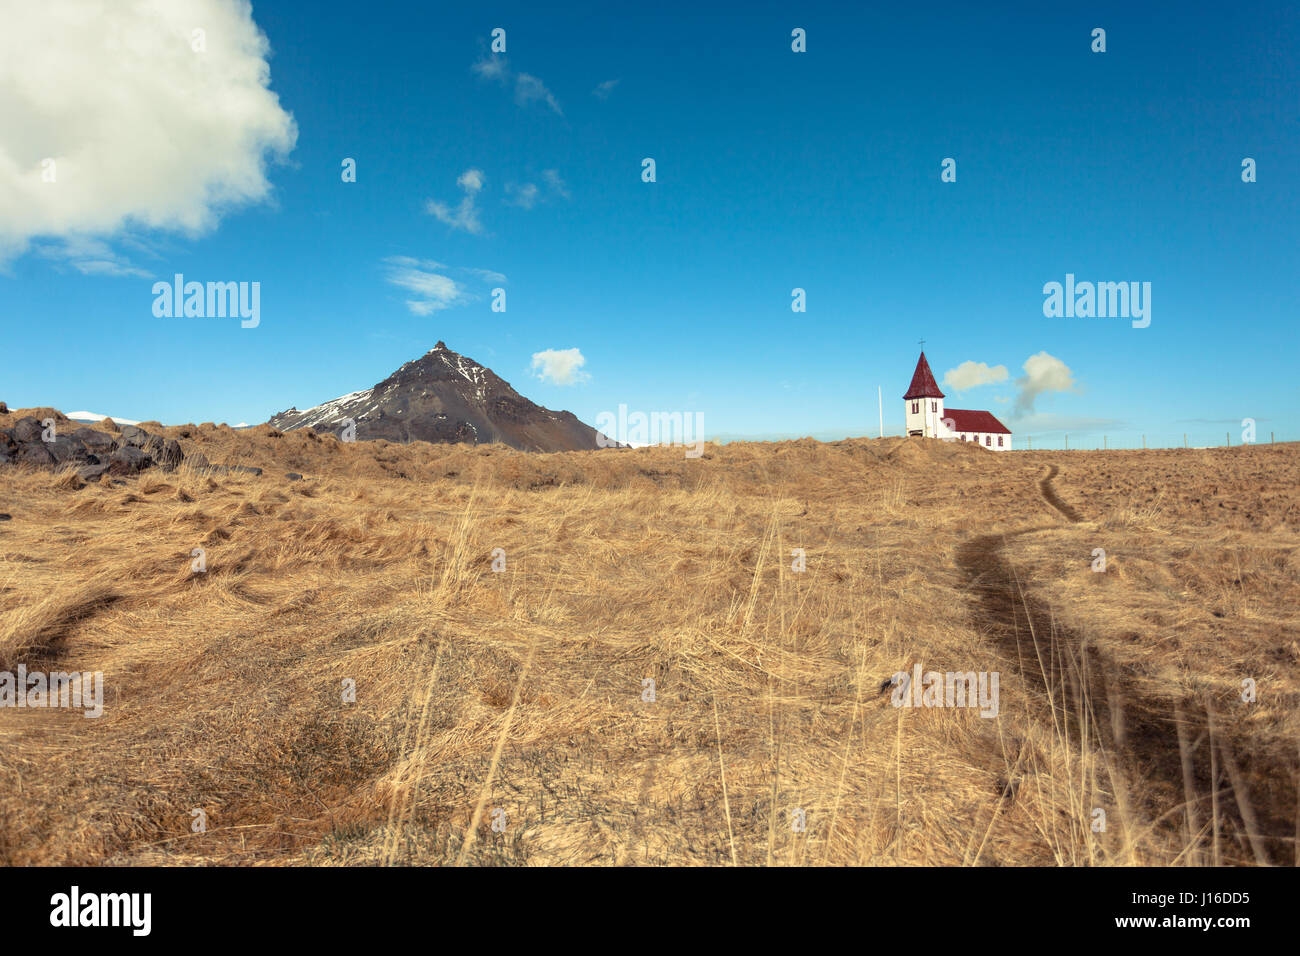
(1158, 750)
(1052, 498)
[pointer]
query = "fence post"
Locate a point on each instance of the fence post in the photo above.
(1184, 439)
(1144, 442)
(1067, 442)
(1227, 437)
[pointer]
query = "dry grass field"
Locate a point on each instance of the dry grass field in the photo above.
(515, 697)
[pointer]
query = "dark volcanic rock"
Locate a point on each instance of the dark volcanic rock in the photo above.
(95, 440)
(165, 452)
(95, 453)
(65, 448)
(27, 429)
(128, 460)
(445, 397)
(35, 453)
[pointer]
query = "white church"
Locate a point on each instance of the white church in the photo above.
(927, 418)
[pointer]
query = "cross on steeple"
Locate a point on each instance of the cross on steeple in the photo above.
(922, 344)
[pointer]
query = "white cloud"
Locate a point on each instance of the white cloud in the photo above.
(413, 263)
(465, 215)
(553, 182)
(487, 275)
(471, 180)
(528, 88)
(493, 67)
(431, 288)
(142, 130)
(1043, 373)
(1074, 424)
(602, 90)
(524, 196)
(973, 374)
(91, 257)
(560, 366)
(528, 195)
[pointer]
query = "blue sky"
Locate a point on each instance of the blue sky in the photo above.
(775, 170)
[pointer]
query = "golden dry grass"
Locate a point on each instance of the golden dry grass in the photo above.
(479, 692)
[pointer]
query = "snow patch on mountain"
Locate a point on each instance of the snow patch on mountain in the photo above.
(96, 417)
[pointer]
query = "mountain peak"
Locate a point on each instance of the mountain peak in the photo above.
(445, 397)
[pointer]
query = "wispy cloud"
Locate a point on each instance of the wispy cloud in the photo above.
(973, 374)
(528, 88)
(430, 286)
(560, 366)
(492, 67)
(555, 184)
(528, 195)
(524, 196)
(1047, 424)
(431, 290)
(465, 216)
(487, 275)
(602, 90)
(91, 257)
(1236, 422)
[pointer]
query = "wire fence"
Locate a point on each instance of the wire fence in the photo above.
(1162, 440)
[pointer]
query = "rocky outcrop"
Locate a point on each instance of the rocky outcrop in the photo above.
(94, 453)
(90, 451)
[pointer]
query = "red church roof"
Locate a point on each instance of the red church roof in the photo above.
(965, 420)
(923, 383)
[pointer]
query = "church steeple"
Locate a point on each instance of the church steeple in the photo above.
(923, 383)
(923, 403)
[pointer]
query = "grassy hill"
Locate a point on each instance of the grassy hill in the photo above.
(515, 697)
